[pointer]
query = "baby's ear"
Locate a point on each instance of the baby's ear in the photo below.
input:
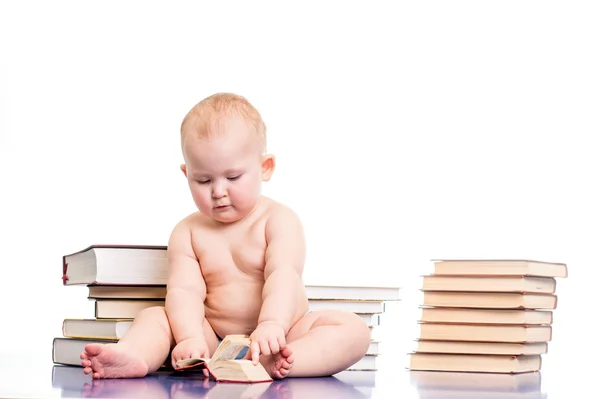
(268, 166)
(183, 169)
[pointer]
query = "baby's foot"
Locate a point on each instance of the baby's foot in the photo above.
(279, 365)
(112, 361)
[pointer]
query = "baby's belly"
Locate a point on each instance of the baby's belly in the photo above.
(234, 308)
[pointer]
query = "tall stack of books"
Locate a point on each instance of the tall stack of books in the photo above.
(491, 316)
(122, 280)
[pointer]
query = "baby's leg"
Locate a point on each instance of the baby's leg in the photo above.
(142, 350)
(324, 343)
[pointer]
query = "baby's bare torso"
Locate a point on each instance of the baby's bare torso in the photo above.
(232, 261)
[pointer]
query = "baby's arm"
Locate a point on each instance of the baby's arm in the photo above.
(186, 292)
(285, 256)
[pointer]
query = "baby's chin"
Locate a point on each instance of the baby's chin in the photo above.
(231, 216)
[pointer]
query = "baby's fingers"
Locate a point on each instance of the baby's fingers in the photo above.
(254, 352)
(281, 341)
(195, 354)
(273, 346)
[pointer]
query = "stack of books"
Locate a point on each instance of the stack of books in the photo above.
(491, 316)
(122, 280)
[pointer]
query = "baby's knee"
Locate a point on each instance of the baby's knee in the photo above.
(153, 312)
(356, 327)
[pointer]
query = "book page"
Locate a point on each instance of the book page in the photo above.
(230, 348)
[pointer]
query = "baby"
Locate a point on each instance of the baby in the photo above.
(235, 266)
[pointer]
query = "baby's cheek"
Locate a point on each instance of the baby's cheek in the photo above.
(248, 194)
(200, 200)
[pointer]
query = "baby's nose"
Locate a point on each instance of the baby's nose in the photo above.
(219, 190)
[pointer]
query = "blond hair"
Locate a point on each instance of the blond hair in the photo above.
(211, 113)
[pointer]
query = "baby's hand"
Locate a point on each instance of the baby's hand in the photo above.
(267, 339)
(191, 348)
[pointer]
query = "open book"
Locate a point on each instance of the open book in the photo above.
(223, 365)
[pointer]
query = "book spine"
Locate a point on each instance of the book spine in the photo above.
(65, 267)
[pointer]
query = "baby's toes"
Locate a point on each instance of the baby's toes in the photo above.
(285, 365)
(289, 360)
(287, 351)
(278, 375)
(283, 372)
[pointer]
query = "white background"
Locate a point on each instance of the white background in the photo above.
(403, 132)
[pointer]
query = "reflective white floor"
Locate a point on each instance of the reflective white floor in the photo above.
(27, 377)
(568, 368)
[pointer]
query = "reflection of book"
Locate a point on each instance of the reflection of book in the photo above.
(223, 365)
(430, 380)
(73, 383)
(486, 394)
(475, 363)
(204, 389)
(357, 378)
(69, 378)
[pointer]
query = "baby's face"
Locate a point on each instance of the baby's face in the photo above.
(225, 172)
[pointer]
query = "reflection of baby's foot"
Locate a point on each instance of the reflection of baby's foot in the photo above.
(92, 389)
(111, 361)
(280, 390)
(279, 365)
(86, 390)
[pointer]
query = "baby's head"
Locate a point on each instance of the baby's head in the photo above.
(223, 140)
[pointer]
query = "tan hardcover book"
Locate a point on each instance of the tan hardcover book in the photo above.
(129, 308)
(315, 292)
(127, 292)
(67, 350)
(112, 329)
(485, 316)
(123, 308)
(489, 300)
(498, 267)
(223, 365)
(475, 363)
(527, 284)
(485, 332)
(482, 348)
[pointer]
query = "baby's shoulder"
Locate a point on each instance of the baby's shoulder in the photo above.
(193, 221)
(280, 211)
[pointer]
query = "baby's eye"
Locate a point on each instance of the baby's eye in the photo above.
(232, 178)
(203, 181)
